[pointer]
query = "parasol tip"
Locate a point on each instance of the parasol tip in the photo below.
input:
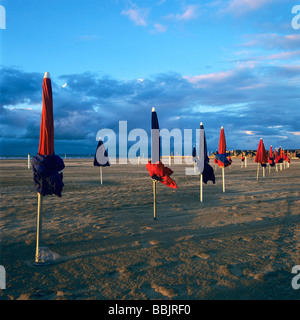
(153, 109)
(222, 127)
(201, 123)
(47, 75)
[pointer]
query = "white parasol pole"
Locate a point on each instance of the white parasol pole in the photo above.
(263, 171)
(39, 228)
(154, 199)
(28, 160)
(101, 174)
(245, 162)
(257, 171)
(223, 174)
(201, 187)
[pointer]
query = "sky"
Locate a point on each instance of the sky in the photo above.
(230, 63)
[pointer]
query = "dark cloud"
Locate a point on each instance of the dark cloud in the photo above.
(249, 102)
(18, 87)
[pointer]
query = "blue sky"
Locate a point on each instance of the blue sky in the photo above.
(232, 63)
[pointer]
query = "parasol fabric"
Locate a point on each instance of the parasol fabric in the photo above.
(261, 154)
(271, 158)
(221, 156)
(161, 173)
(47, 175)
(155, 167)
(101, 156)
(194, 154)
(203, 163)
(47, 167)
(278, 156)
(155, 138)
(46, 146)
(287, 157)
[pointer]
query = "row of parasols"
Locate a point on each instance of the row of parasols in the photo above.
(48, 167)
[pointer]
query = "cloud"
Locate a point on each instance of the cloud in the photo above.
(249, 102)
(240, 7)
(190, 12)
(272, 41)
(137, 15)
(18, 87)
(159, 28)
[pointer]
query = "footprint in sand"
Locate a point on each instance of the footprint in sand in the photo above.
(170, 293)
(202, 255)
(156, 292)
(154, 242)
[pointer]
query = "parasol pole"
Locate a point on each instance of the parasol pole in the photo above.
(28, 160)
(245, 162)
(257, 171)
(201, 187)
(101, 174)
(39, 227)
(263, 171)
(154, 199)
(155, 152)
(223, 174)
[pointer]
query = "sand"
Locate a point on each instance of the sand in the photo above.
(241, 244)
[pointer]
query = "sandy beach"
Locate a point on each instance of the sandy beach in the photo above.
(241, 244)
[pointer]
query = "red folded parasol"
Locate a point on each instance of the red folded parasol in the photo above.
(261, 154)
(46, 146)
(222, 142)
(261, 157)
(271, 152)
(222, 151)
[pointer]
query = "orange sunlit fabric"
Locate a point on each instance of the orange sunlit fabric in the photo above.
(46, 146)
(222, 142)
(161, 173)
